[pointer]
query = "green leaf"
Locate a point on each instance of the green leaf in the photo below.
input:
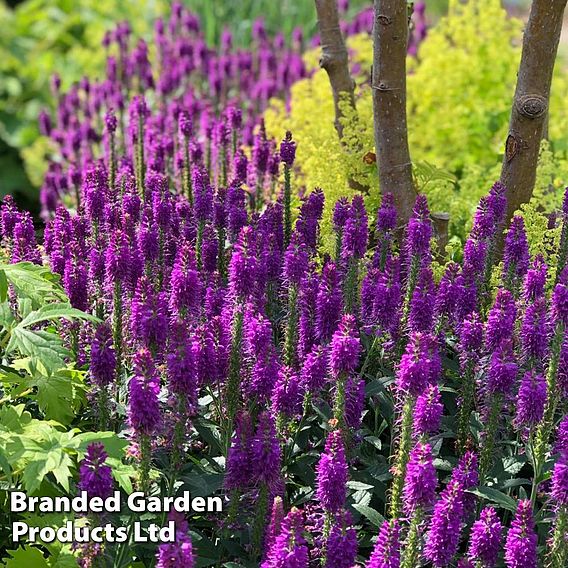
(114, 446)
(123, 474)
(3, 286)
(375, 441)
(45, 346)
(7, 318)
(55, 397)
(369, 513)
(5, 465)
(35, 282)
(27, 556)
(53, 312)
(203, 485)
(514, 464)
(495, 496)
(359, 486)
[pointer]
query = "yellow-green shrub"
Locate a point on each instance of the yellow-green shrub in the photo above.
(460, 90)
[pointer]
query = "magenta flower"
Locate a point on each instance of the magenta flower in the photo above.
(332, 474)
(421, 479)
(289, 549)
(95, 477)
(428, 411)
(521, 543)
(485, 540)
(386, 553)
(345, 347)
(143, 406)
(420, 365)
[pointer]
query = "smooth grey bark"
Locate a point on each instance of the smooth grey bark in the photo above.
(390, 40)
(530, 105)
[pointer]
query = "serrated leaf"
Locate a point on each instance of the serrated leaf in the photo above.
(123, 474)
(33, 281)
(45, 346)
(34, 473)
(369, 513)
(27, 556)
(55, 397)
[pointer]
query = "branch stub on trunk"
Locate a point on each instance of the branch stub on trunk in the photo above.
(531, 106)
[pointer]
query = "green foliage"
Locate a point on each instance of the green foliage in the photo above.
(33, 450)
(281, 16)
(38, 368)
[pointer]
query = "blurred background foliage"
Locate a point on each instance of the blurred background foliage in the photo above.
(41, 37)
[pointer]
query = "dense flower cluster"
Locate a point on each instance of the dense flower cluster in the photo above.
(228, 343)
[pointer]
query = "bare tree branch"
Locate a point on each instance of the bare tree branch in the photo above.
(530, 105)
(390, 40)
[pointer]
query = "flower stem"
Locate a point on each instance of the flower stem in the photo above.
(402, 457)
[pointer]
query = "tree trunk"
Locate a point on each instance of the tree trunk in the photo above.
(530, 105)
(390, 40)
(334, 58)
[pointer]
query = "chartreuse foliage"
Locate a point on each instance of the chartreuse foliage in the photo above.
(460, 89)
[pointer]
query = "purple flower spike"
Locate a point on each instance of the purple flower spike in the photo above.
(314, 370)
(356, 230)
(95, 477)
(420, 365)
(428, 412)
(501, 320)
(516, 253)
(178, 554)
(289, 549)
(332, 474)
(238, 468)
(421, 479)
(443, 537)
(502, 373)
(341, 545)
(345, 347)
(535, 331)
(559, 489)
(521, 543)
(386, 553)
(340, 214)
(386, 216)
(328, 303)
(103, 358)
(419, 230)
(535, 280)
(144, 409)
(560, 302)
(288, 150)
(265, 451)
(485, 540)
(531, 400)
